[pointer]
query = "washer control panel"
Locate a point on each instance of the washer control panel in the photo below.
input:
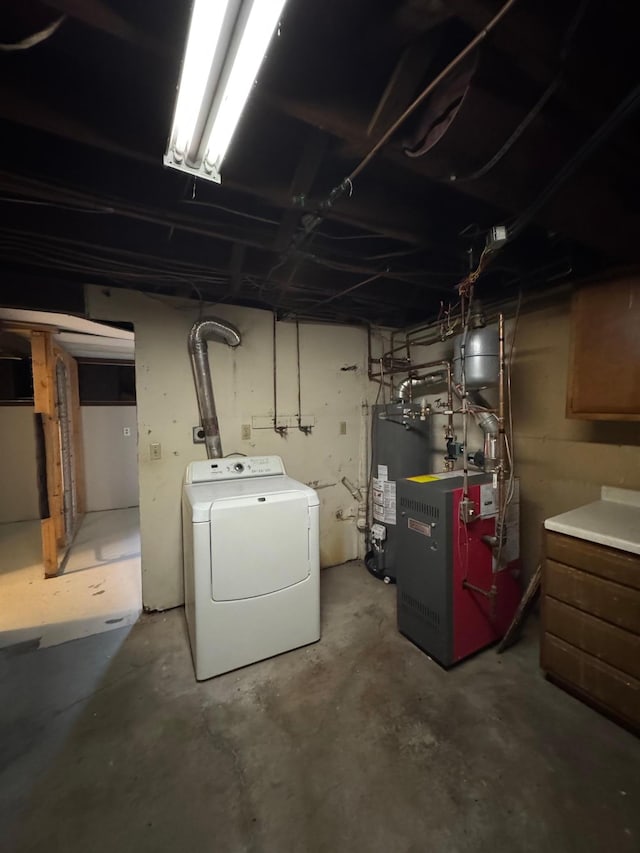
(233, 468)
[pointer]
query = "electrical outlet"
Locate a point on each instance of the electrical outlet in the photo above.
(155, 450)
(126, 431)
(343, 427)
(245, 432)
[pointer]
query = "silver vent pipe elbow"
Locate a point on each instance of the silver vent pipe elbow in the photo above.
(490, 426)
(487, 421)
(202, 331)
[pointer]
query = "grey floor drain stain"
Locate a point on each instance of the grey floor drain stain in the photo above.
(113, 621)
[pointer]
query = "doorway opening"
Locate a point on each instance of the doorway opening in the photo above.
(69, 524)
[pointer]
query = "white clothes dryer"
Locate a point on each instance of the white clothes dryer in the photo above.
(251, 562)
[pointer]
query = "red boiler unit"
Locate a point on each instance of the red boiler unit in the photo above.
(452, 599)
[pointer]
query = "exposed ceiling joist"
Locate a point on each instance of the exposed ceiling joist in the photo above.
(515, 188)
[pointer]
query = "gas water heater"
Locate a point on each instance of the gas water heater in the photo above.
(400, 447)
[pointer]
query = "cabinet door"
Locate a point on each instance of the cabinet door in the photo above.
(604, 367)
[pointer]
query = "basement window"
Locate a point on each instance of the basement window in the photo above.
(16, 382)
(106, 383)
(100, 383)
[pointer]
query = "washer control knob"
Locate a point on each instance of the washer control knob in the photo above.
(239, 467)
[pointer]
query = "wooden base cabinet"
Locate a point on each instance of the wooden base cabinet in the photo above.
(591, 624)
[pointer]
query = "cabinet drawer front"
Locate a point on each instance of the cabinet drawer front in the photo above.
(604, 641)
(616, 691)
(609, 563)
(610, 601)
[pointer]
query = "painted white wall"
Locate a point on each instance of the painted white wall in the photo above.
(18, 475)
(110, 457)
(243, 385)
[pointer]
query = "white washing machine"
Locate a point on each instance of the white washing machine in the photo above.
(251, 562)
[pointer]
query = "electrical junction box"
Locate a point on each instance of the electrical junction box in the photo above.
(497, 236)
(452, 599)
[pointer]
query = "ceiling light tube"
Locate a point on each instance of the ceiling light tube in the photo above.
(226, 45)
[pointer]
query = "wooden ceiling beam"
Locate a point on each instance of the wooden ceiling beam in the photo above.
(100, 16)
(536, 50)
(384, 217)
(521, 34)
(22, 107)
(607, 227)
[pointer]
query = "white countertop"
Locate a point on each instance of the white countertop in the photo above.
(614, 520)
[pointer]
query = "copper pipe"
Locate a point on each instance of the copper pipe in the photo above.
(488, 593)
(450, 404)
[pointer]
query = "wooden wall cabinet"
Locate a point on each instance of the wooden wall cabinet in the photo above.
(603, 382)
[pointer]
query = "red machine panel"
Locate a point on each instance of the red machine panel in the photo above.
(479, 619)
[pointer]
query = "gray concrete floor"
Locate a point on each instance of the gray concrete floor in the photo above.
(359, 743)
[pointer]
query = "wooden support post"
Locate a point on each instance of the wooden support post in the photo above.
(44, 397)
(49, 547)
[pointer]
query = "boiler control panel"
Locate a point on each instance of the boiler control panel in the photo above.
(233, 468)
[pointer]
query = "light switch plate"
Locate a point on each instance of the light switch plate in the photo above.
(155, 450)
(245, 432)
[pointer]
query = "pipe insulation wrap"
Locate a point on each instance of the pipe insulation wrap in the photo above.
(203, 331)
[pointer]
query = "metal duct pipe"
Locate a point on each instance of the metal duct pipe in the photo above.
(201, 332)
(490, 426)
(488, 423)
(418, 386)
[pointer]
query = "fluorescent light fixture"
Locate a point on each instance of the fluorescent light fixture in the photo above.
(226, 44)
